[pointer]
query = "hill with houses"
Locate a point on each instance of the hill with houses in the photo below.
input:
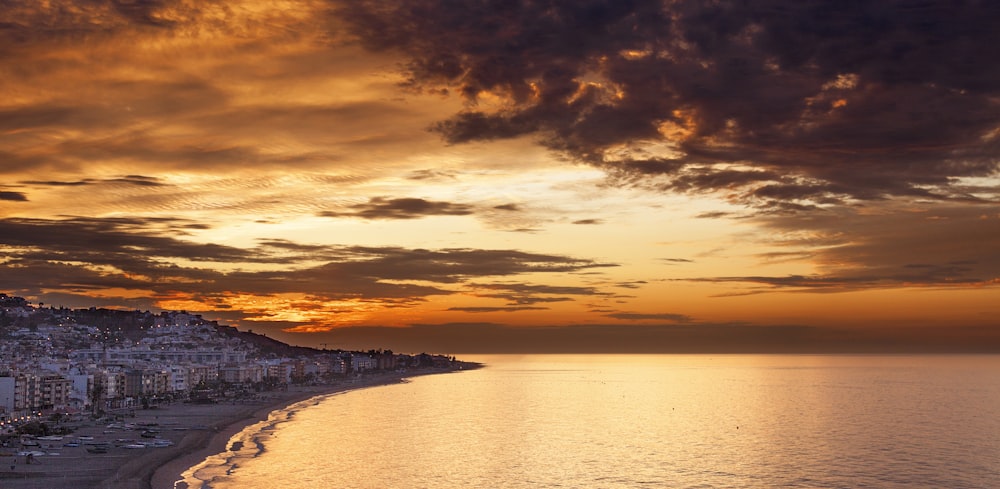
(56, 360)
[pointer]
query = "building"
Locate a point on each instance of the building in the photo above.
(241, 373)
(202, 374)
(109, 385)
(360, 363)
(146, 382)
(55, 391)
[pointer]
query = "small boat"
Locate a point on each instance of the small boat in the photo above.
(98, 448)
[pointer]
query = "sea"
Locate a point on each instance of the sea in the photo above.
(639, 421)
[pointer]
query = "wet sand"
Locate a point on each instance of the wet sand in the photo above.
(197, 431)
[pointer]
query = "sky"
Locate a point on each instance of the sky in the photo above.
(512, 176)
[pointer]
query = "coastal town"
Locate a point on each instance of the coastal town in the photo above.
(65, 373)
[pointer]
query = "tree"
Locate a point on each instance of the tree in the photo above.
(97, 398)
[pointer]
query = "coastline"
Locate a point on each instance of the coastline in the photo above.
(210, 443)
(166, 474)
(196, 430)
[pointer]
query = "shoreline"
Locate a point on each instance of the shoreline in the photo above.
(197, 432)
(212, 443)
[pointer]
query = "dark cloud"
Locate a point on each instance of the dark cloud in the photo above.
(930, 246)
(75, 300)
(431, 175)
(144, 255)
(402, 208)
(517, 294)
(14, 196)
(286, 245)
(452, 265)
(522, 288)
(507, 207)
(677, 260)
(631, 285)
(54, 183)
(76, 238)
(24, 21)
(817, 101)
(497, 309)
(714, 215)
(143, 11)
(588, 221)
(701, 179)
(138, 180)
(657, 338)
(631, 316)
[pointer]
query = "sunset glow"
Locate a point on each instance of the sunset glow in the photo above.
(423, 175)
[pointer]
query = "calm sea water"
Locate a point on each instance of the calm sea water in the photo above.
(699, 421)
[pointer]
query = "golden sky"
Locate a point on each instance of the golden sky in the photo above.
(511, 176)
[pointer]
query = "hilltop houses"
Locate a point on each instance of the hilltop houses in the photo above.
(56, 360)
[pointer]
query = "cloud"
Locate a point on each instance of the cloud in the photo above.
(523, 288)
(630, 316)
(431, 175)
(519, 294)
(497, 309)
(676, 260)
(451, 265)
(146, 258)
(402, 208)
(826, 131)
(137, 180)
(898, 246)
(13, 196)
(102, 240)
(657, 338)
(769, 101)
(714, 215)
(266, 89)
(631, 285)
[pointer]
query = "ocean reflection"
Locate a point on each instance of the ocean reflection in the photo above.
(647, 420)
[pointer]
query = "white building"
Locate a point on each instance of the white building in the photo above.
(360, 363)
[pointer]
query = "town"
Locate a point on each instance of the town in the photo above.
(59, 362)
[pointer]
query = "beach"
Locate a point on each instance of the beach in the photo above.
(195, 431)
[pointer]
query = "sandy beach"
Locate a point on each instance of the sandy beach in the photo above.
(196, 431)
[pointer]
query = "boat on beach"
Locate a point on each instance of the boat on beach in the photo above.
(98, 448)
